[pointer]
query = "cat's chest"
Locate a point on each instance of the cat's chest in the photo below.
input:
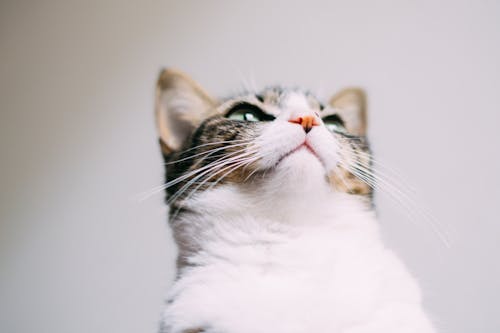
(297, 286)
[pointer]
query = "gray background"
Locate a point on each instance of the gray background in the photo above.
(80, 253)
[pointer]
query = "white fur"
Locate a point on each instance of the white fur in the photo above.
(291, 254)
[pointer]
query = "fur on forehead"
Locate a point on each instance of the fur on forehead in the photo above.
(276, 97)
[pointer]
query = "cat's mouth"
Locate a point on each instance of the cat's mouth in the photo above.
(302, 147)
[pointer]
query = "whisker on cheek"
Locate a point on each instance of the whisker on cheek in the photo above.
(396, 191)
(206, 170)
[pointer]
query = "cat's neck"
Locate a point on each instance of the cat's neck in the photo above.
(239, 226)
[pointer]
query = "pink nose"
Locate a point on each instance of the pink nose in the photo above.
(307, 122)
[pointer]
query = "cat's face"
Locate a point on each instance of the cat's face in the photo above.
(277, 139)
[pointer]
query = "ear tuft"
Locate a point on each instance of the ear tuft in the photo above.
(181, 105)
(351, 107)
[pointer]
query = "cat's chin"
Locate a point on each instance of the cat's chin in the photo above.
(301, 155)
(301, 168)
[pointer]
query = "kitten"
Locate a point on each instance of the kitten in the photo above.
(271, 208)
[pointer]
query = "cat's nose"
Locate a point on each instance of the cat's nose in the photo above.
(307, 122)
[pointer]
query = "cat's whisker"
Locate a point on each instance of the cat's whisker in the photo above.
(342, 178)
(394, 179)
(383, 169)
(232, 166)
(249, 159)
(212, 144)
(208, 152)
(197, 170)
(375, 167)
(408, 205)
(373, 177)
(246, 85)
(376, 181)
(145, 195)
(253, 82)
(214, 167)
(251, 174)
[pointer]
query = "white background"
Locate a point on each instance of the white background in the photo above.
(79, 253)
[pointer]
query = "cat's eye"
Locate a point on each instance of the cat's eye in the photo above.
(248, 112)
(334, 124)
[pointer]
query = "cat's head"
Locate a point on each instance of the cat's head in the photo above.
(278, 140)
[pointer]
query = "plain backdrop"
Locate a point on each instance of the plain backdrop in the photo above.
(80, 253)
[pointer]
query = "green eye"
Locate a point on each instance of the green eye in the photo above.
(334, 124)
(248, 112)
(244, 115)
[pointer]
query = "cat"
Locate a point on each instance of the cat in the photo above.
(270, 203)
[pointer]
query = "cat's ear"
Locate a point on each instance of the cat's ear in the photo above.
(181, 105)
(350, 104)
